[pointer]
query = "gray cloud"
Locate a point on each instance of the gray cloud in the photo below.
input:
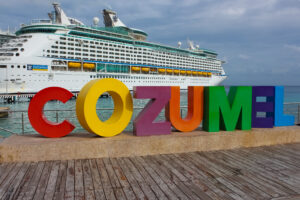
(259, 39)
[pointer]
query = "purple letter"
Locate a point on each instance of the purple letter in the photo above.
(143, 124)
(267, 107)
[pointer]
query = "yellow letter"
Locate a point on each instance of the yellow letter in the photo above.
(86, 107)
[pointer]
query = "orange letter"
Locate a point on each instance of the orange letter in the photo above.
(195, 109)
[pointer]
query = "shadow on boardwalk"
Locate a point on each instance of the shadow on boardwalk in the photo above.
(255, 173)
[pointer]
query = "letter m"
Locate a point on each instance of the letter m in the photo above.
(229, 112)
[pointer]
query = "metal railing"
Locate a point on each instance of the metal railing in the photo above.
(17, 120)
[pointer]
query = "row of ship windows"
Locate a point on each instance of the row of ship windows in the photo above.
(132, 57)
(116, 47)
(129, 53)
(136, 61)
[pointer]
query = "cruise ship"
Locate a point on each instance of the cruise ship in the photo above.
(61, 51)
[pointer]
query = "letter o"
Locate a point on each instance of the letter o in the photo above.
(86, 107)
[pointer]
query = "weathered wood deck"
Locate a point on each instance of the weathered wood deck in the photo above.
(255, 173)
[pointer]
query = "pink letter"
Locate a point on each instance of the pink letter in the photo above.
(144, 124)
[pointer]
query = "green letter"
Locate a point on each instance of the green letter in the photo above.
(234, 111)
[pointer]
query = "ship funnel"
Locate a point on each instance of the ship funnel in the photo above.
(111, 19)
(60, 16)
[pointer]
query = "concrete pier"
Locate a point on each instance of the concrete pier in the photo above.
(85, 146)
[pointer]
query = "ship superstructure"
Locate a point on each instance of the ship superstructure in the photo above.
(5, 37)
(62, 51)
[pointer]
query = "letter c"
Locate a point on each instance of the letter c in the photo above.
(37, 118)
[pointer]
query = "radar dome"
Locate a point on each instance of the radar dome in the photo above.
(179, 44)
(96, 21)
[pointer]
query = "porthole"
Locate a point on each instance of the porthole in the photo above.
(17, 54)
(12, 66)
(22, 49)
(18, 66)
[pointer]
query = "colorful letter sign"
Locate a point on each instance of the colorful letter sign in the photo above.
(86, 107)
(37, 118)
(279, 118)
(240, 109)
(144, 123)
(227, 113)
(267, 107)
(195, 109)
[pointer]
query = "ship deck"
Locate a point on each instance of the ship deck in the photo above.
(247, 173)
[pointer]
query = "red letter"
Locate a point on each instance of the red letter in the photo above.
(36, 114)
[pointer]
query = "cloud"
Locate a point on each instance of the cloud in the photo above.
(293, 47)
(243, 56)
(259, 39)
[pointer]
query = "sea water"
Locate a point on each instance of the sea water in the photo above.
(18, 123)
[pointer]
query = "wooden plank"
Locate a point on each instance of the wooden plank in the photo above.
(191, 181)
(158, 192)
(272, 174)
(143, 185)
(156, 177)
(209, 176)
(174, 192)
(3, 167)
(79, 187)
(113, 179)
(260, 173)
(107, 187)
(178, 179)
(99, 192)
(6, 172)
(196, 176)
(122, 179)
(88, 180)
(61, 181)
(9, 178)
(42, 184)
(70, 181)
(15, 184)
(50, 190)
(33, 184)
(241, 176)
(236, 179)
(134, 184)
(26, 181)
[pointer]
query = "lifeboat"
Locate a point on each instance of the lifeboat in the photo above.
(145, 69)
(153, 69)
(200, 73)
(89, 65)
(189, 72)
(161, 70)
(74, 64)
(135, 69)
(176, 71)
(209, 73)
(204, 73)
(170, 71)
(182, 72)
(195, 73)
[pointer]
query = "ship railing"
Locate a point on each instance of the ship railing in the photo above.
(17, 122)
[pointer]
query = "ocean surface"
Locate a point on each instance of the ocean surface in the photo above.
(17, 121)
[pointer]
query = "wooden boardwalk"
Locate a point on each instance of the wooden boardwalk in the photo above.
(255, 173)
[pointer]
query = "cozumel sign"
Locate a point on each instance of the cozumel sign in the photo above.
(211, 105)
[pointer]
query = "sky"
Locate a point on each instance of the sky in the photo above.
(258, 39)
